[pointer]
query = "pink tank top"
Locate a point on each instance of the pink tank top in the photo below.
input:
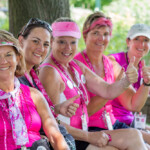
(122, 114)
(32, 120)
(74, 121)
(97, 119)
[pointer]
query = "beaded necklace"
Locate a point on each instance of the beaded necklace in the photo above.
(107, 68)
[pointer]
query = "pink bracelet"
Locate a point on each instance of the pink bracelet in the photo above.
(109, 136)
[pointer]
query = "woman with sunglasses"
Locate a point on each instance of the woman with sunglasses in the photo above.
(34, 39)
(64, 77)
(97, 31)
(22, 109)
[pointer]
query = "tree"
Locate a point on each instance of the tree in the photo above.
(20, 11)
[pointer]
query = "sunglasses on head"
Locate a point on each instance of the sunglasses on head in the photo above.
(36, 21)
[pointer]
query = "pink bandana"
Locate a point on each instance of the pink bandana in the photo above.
(19, 129)
(101, 22)
(66, 29)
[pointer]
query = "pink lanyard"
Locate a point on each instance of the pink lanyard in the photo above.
(80, 88)
(107, 74)
(28, 78)
(40, 87)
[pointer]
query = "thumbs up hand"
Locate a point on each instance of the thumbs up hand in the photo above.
(131, 72)
(121, 74)
(67, 108)
(145, 72)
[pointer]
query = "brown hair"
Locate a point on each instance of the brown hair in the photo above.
(8, 37)
(32, 24)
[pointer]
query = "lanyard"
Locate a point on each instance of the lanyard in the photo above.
(40, 87)
(80, 87)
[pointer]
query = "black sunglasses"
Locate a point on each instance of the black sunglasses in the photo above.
(36, 21)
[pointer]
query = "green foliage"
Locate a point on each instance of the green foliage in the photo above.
(90, 4)
(4, 23)
(124, 13)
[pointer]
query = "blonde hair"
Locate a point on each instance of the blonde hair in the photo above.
(8, 37)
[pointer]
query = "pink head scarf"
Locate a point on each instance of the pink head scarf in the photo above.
(66, 29)
(101, 22)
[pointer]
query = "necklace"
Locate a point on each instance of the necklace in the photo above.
(108, 68)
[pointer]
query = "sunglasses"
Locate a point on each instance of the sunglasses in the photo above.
(36, 21)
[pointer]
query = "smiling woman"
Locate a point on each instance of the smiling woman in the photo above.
(34, 39)
(19, 103)
(64, 77)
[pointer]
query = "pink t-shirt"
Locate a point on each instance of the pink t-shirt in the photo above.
(122, 114)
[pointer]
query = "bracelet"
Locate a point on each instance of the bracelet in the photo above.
(145, 83)
(109, 136)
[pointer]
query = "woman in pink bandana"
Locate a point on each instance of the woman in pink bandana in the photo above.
(64, 77)
(22, 109)
(97, 32)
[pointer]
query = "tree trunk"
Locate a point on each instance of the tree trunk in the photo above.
(20, 11)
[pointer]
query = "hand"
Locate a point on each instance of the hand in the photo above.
(98, 138)
(67, 108)
(145, 72)
(131, 73)
(121, 74)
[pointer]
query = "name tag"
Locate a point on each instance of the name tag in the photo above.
(84, 122)
(108, 121)
(140, 121)
(23, 148)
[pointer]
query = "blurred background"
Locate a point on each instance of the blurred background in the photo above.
(124, 13)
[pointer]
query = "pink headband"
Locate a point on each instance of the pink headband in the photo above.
(6, 43)
(66, 29)
(102, 22)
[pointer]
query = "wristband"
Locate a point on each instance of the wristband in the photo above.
(145, 84)
(109, 136)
